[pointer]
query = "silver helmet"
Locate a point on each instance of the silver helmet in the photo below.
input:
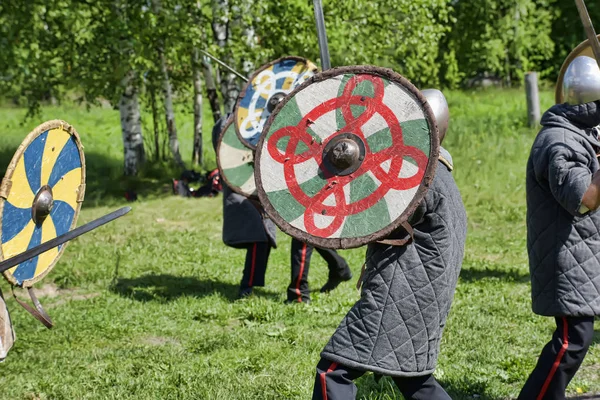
(439, 105)
(581, 83)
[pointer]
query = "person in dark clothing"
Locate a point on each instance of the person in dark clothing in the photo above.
(395, 329)
(563, 229)
(245, 226)
(339, 271)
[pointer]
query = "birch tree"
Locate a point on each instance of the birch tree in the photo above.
(131, 126)
(197, 155)
(161, 28)
(222, 33)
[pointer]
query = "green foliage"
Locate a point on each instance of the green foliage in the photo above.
(402, 35)
(144, 307)
(505, 38)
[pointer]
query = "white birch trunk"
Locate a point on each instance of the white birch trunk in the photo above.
(211, 89)
(250, 39)
(169, 111)
(131, 126)
(197, 153)
(222, 32)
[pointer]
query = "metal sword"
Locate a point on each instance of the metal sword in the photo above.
(233, 71)
(322, 33)
(57, 241)
(589, 28)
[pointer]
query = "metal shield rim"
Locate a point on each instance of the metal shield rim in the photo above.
(559, 96)
(235, 189)
(348, 243)
(48, 125)
(247, 85)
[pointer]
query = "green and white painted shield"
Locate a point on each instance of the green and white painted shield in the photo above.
(346, 158)
(236, 162)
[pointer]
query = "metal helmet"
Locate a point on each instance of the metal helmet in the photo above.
(439, 105)
(581, 83)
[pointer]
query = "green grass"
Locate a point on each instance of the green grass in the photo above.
(145, 307)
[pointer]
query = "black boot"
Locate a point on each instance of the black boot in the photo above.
(337, 276)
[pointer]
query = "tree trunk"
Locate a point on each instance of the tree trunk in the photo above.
(169, 112)
(131, 126)
(211, 89)
(221, 31)
(249, 34)
(152, 90)
(197, 155)
(168, 94)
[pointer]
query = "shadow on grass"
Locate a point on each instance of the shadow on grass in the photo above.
(166, 288)
(105, 183)
(384, 388)
(509, 275)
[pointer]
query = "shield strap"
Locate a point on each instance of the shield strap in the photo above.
(38, 312)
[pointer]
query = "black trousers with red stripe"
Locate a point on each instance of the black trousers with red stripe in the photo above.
(255, 268)
(335, 382)
(560, 359)
(301, 255)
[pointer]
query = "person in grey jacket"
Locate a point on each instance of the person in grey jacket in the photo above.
(396, 327)
(245, 226)
(563, 229)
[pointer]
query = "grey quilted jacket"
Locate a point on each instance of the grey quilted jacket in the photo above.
(396, 327)
(243, 224)
(563, 243)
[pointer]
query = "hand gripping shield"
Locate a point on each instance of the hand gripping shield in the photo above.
(264, 90)
(346, 158)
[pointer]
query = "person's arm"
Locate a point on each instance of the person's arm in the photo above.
(570, 179)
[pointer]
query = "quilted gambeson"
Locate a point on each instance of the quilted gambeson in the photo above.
(564, 243)
(396, 327)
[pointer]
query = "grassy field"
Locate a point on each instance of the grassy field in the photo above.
(145, 307)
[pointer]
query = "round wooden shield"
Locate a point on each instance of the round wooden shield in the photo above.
(583, 49)
(236, 162)
(264, 90)
(40, 198)
(347, 157)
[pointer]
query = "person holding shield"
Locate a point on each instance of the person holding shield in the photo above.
(395, 329)
(246, 227)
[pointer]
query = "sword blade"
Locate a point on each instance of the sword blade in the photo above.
(322, 33)
(57, 241)
(233, 71)
(589, 28)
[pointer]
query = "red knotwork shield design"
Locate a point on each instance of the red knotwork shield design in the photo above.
(346, 157)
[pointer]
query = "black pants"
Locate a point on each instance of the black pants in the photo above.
(560, 359)
(335, 381)
(301, 254)
(257, 256)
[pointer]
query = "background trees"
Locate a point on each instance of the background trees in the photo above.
(144, 57)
